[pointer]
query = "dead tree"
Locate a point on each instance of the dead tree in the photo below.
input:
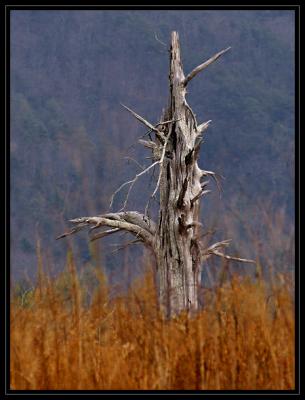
(174, 238)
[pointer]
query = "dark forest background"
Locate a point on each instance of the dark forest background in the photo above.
(70, 137)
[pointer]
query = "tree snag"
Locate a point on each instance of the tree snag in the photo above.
(174, 239)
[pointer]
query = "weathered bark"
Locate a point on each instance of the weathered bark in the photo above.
(174, 239)
(177, 247)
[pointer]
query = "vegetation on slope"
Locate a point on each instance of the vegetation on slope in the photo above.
(69, 134)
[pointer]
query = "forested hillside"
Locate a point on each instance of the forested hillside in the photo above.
(70, 70)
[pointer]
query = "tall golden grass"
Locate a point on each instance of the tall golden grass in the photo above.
(243, 338)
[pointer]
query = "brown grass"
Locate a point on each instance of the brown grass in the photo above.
(242, 339)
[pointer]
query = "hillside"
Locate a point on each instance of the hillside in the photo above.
(70, 70)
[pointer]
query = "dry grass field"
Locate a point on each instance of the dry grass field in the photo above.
(243, 338)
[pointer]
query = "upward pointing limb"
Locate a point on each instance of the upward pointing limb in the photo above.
(204, 65)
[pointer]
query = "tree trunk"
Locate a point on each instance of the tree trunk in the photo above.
(177, 248)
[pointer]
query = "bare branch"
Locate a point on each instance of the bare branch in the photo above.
(74, 230)
(135, 218)
(167, 122)
(204, 184)
(161, 162)
(192, 113)
(131, 221)
(158, 40)
(160, 173)
(214, 250)
(202, 66)
(204, 126)
(219, 254)
(131, 242)
(141, 119)
(148, 143)
(207, 173)
(135, 161)
(200, 194)
(139, 219)
(159, 134)
(215, 246)
(214, 176)
(131, 183)
(103, 234)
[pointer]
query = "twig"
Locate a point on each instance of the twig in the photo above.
(204, 126)
(103, 234)
(74, 230)
(158, 40)
(161, 162)
(131, 182)
(141, 119)
(135, 161)
(215, 246)
(215, 177)
(167, 122)
(149, 144)
(200, 194)
(213, 250)
(219, 254)
(192, 113)
(136, 241)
